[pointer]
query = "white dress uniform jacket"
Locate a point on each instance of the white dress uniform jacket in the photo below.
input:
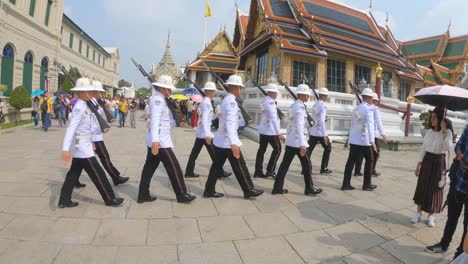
(206, 116)
(319, 114)
(269, 122)
(379, 130)
(98, 136)
(298, 124)
(229, 121)
(362, 125)
(83, 125)
(161, 122)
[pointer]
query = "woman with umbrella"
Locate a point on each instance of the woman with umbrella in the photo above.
(428, 196)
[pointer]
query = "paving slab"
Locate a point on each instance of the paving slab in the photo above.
(224, 228)
(209, 253)
(267, 251)
(173, 231)
(375, 255)
(270, 224)
(355, 236)
(27, 252)
(121, 232)
(147, 255)
(78, 254)
(410, 250)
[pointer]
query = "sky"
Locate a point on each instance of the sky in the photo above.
(139, 28)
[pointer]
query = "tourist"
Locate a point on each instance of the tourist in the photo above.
(35, 111)
(2, 115)
(194, 120)
(189, 112)
(62, 105)
(132, 108)
(46, 106)
(456, 197)
(428, 196)
(123, 107)
(114, 105)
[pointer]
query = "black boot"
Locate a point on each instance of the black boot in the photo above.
(120, 180)
(283, 191)
(252, 193)
(114, 202)
(185, 198)
(80, 185)
(146, 199)
(68, 204)
(312, 191)
(212, 195)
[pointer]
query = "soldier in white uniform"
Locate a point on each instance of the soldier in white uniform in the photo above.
(78, 143)
(159, 144)
(98, 140)
(269, 130)
(318, 133)
(204, 137)
(296, 145)
(227, 144)
(361, 140)
(379, 132)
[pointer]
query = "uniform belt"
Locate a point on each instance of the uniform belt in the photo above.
(83, 137)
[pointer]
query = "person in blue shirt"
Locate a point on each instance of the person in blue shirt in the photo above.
(456, 197)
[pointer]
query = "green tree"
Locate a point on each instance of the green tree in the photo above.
(143, 91)
(124, 83)
(65, 84)
(20, 99)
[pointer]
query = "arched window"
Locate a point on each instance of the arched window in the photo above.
(8, 60)
(28, 71)
(44, 70)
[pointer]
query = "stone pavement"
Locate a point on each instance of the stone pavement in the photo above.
(334, 227)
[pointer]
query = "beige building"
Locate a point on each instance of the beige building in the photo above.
(36, 34)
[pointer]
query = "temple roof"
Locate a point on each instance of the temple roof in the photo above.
(167, 57)
(425, 48)
(220, 55)
(242, 19)
(315, 27)
(457, 48)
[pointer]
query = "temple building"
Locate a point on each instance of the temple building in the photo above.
(167, 65)
(441, 59)
(220, 55)
(327, 42)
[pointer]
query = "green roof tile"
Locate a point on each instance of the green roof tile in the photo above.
(421, 47)
(450, 65)
(430, 78)
(455, 49)
(424, 62)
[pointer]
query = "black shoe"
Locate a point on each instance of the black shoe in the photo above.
(357, 174)
(114, 202)
(120, 180)
(185, 198)
(253, 193)
(437, 248)
(193, 175)
(347, 188)
(369, 187)
(69, 204)
(147, 199)
(313, 191)
(326, 171)
(259, 175)
(375, 174)
(283, 191)
(226, 174)
(80, 185)
(212, 195)
(271, 175)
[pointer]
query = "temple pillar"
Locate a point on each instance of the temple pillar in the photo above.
(349, 75)
(322, 73)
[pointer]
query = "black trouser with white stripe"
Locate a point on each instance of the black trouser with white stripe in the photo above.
(95, 172)
(327, 148)
(173, 170)
(238, 166)
(374, 164)
(275, 143)
(355, 152)
(288, 157)
(197, 146)
(104, 157)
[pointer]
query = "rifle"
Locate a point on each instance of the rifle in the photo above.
(310, 120)
(245, 115)
(214, 123)
(109, 116)
(280, 113)
(311, 86)
(355, 90)
(102, 123)
(170, 103)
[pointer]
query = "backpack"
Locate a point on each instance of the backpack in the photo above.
(44, 106)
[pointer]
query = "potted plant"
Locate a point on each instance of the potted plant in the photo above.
(3, 88)
(425, 122)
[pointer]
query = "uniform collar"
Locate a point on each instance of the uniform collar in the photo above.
(158, 93)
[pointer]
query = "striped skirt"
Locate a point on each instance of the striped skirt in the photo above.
(427, 194)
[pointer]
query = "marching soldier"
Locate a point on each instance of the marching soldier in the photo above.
(78, 143)
(159, 143)
(318, 133)
(227, 144)
(203, 132)
(296, 145)
(361, 140)
(100, 147)
(269, 130)
(379, 131)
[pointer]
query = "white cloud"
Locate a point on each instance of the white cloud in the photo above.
(444, 11)
(381, 18)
